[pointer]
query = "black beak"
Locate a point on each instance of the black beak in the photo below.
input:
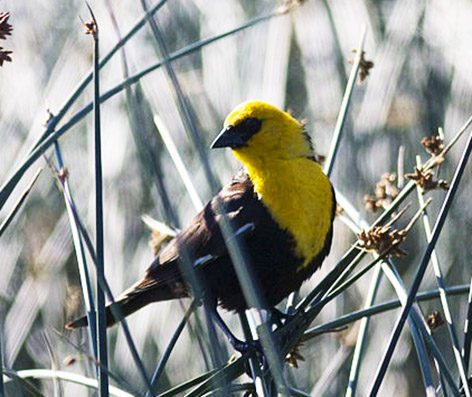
(228, 137)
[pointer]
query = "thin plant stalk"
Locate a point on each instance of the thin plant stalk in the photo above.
(178, 162)
(225, 375)
(177, 390)
(101, 328)
(183, 105)
(331, 371)
(250, 331)
(115, 309)
(19, 203)
(328, 168)
(444, 301)
(123, 384)
(421, 270)
(25, 384)
(2, 390)
(362, 334)
(234, 388)
(170, 214)
(356, 225)
(69, 377)
(84, 275)
(441, 363)
(445, 374)
(349, 318)
(336, 289)
(170, 347)
(316, 294)
(418, 329)
(468, 330)
(414, 322)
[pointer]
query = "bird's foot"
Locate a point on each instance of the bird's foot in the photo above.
(255, 349)
(278, 318)
(245, 346)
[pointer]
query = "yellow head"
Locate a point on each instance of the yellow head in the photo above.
(258, 132)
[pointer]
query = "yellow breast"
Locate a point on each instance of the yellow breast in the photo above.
(298, 195)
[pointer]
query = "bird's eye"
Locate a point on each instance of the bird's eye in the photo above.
(251, 126)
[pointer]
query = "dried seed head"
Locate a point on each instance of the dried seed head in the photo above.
(157, 240)
(289, 5)
(69, 360)
(320, 159)
(385, 193)
(294, 356)
(160, 233)
(4, 56)
(49, 117)
(435, 320)
(62, 175)
(364, 66)
(382, 240)
(73, 301)
(433, 145)
(90, 28)
(5, 27)
(370, 203)
(425, 179)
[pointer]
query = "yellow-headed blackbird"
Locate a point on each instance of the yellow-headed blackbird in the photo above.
(282, 194)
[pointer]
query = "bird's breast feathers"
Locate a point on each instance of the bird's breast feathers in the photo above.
(299, 197)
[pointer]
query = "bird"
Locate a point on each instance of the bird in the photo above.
(280, 204)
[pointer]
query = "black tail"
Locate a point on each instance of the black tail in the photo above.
(128, 305)
(160, 284)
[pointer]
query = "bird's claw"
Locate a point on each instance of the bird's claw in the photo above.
(250, 345)
(254, 347)
(279, 318)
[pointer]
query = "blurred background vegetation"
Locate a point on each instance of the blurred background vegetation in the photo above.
(299, 61)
